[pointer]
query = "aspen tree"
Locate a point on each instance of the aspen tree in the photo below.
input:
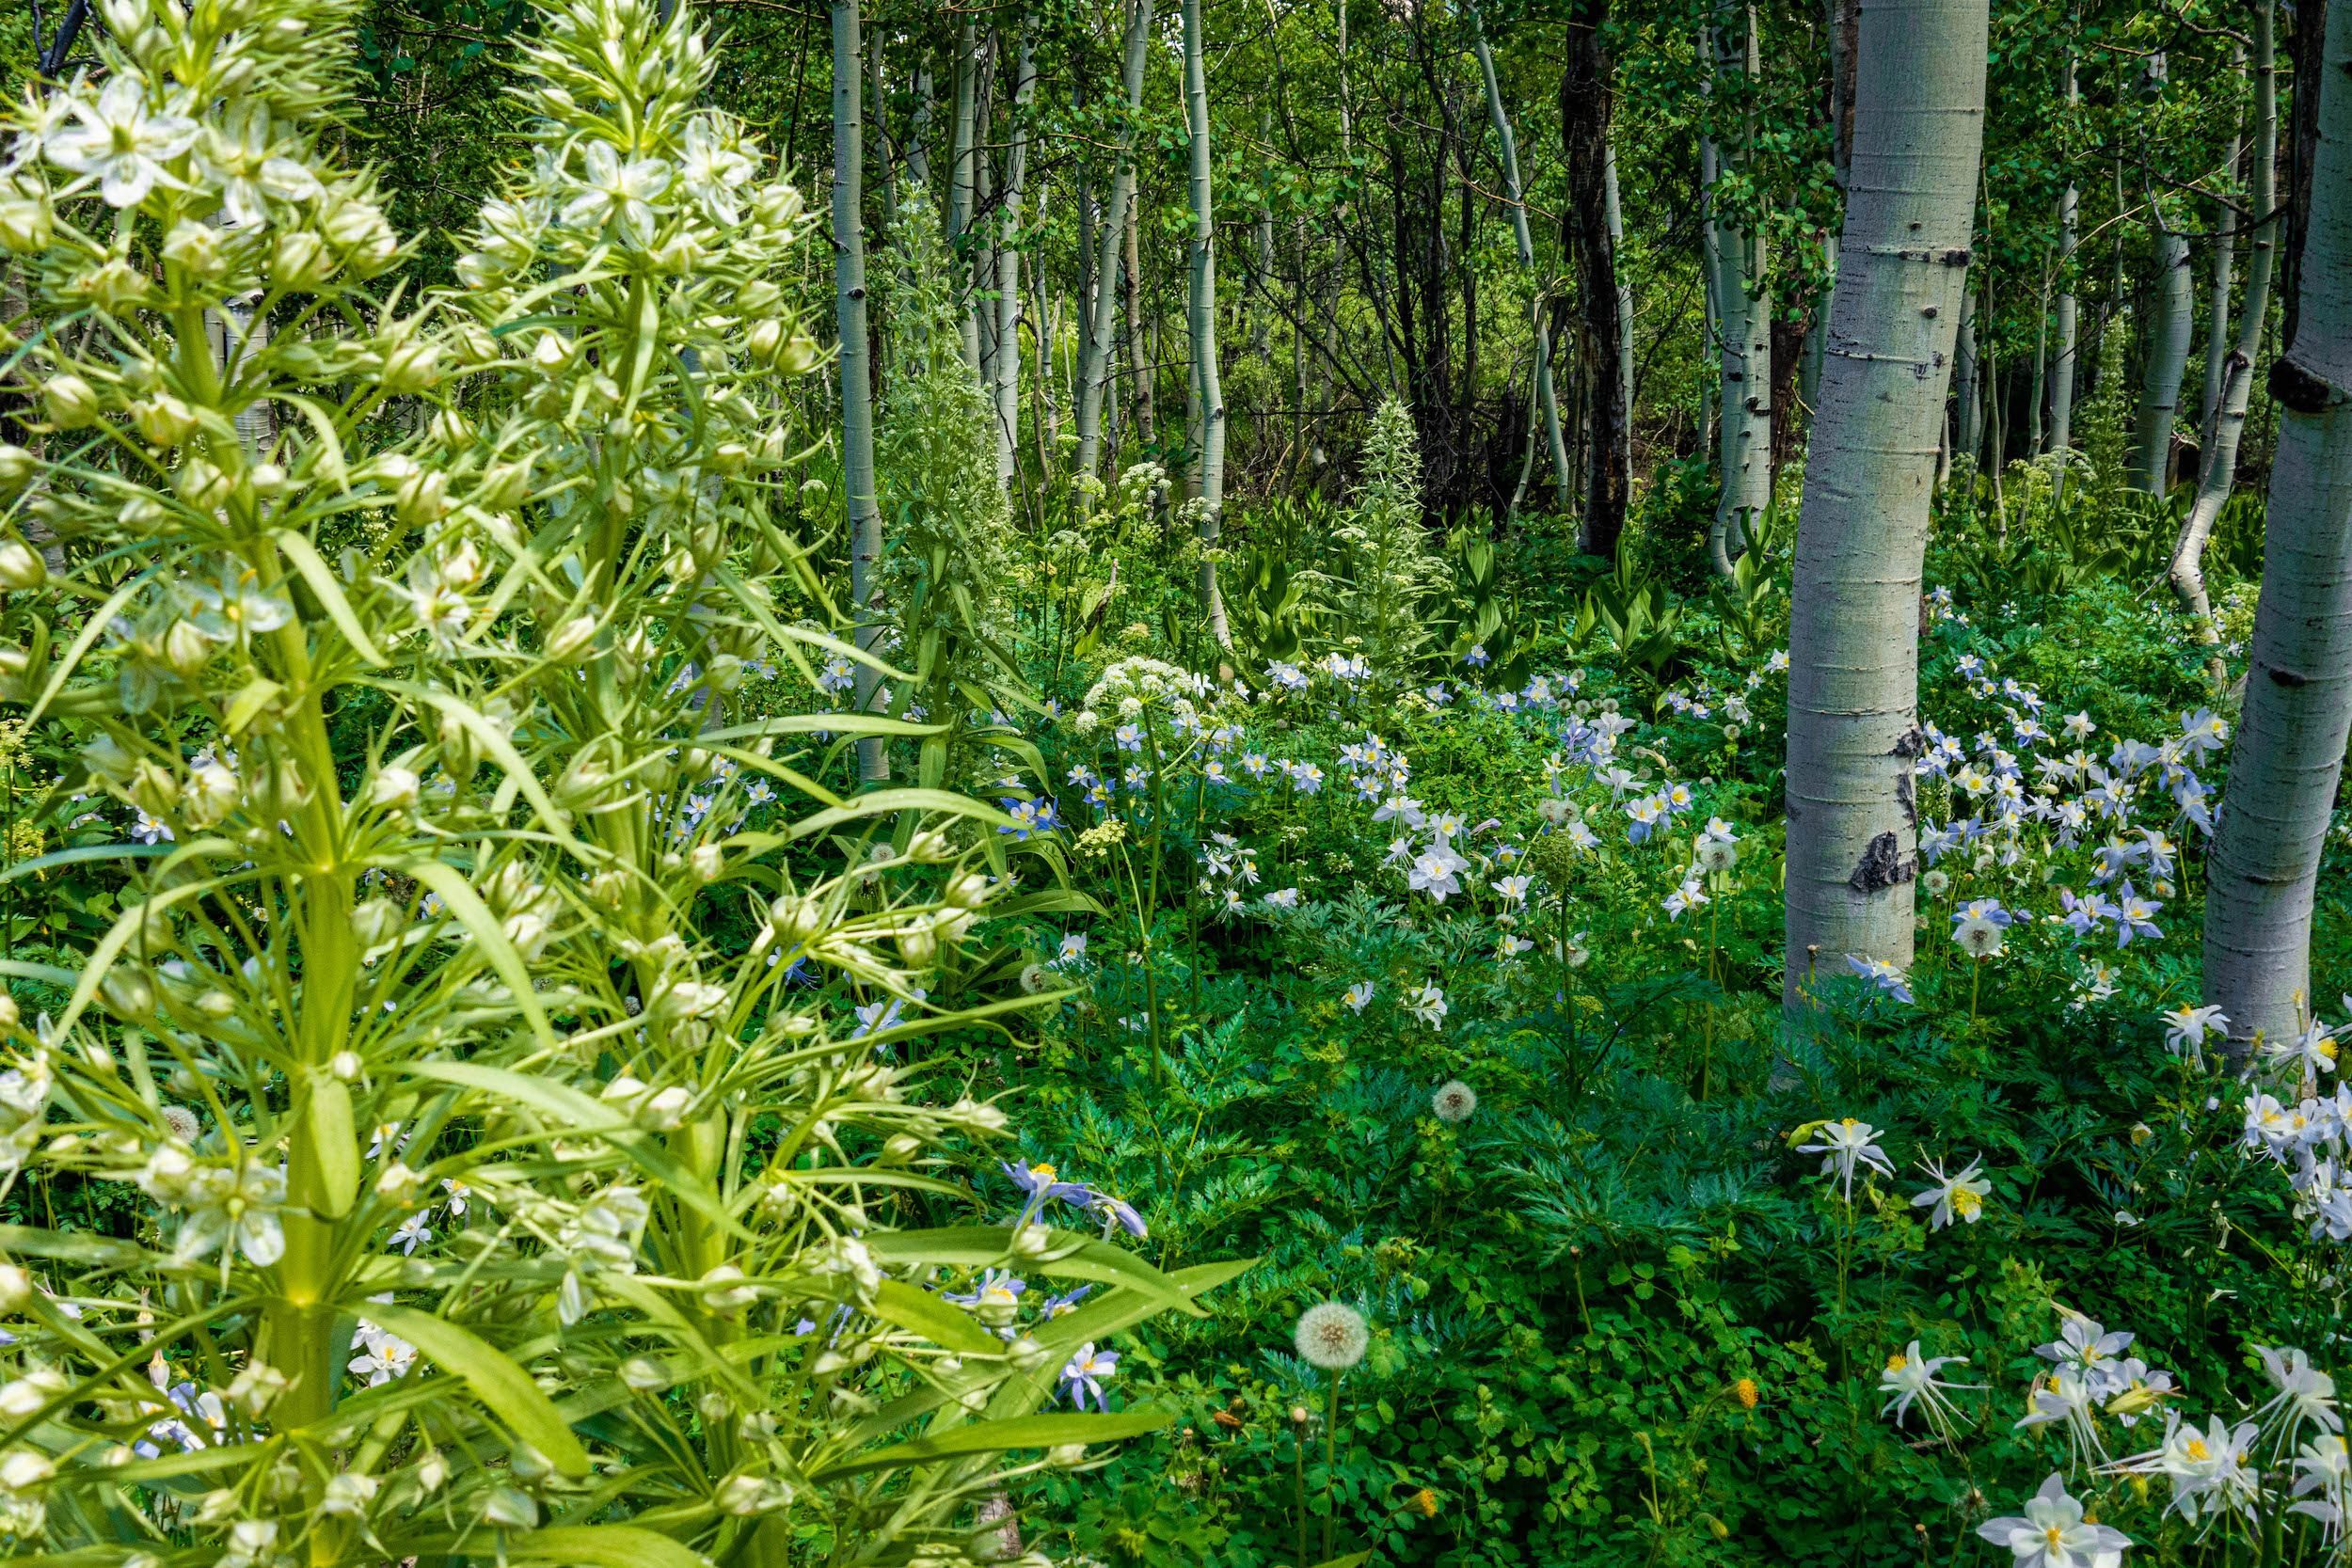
(2218, 468)
(857, 388)
(2285, 766)
(1208, 436)
(1094, 355)
(1853, 680)
(2174, 322)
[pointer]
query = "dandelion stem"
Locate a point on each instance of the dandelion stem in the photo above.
(1330, 1467)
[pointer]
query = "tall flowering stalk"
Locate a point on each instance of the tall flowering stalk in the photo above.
(456, 1243)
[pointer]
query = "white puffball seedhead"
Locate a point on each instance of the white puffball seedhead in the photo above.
(1333, 1336)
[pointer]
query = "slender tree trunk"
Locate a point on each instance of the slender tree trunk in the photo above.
(1612, 214)
(918, 145)
(1854, 604)
(2284, 768)
(963, 184)
(2039, 386)
(1007, 358)
(1585, 93)
(2063, 372)
(1839, 21)
(2218, 470)
(857, 397)
(1547, 407)
(1095, 357)
(2224, 264)
(2173, 323)
(1746, 358)
(1208, 386)
(1967, 372)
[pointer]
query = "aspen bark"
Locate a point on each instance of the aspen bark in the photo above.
(1007, 363)
(1967, 393)
(1547, 405)
(2173, 323)
(2062, 370)
(857, 392)
(1207, 385)
(1745, 362)
(1592, 237)
(1094, 356)
(2224, 265)
(2217, 456)
(963, 184)
(1862, 531)
(2284, 767)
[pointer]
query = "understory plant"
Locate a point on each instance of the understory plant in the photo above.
(489, 1206)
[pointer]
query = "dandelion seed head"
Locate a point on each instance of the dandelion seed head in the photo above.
(182, 1123)
(1453, 1102)
(1332, 1336)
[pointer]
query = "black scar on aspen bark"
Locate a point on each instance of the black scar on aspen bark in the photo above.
(2301, 390)
(1907, 797)
(1882, 867)
(2290, 678)
(1911, 746)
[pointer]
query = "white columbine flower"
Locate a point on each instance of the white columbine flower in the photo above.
(1909, 1378)
(1845, 1144)
(2051, 1534)
(1960, 1195)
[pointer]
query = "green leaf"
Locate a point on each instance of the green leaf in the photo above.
(1074, 1256)
(1021, 1432)
(473, 915)
(499, 1384)
(338, 1149)
(603, 1547)
(92, 852)
(590, 1115)
(943, 1323)
(328, 590)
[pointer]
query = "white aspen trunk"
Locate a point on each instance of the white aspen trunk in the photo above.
(1207, 385)
(2284, 767)
(1853, 679)
(1613, 215)
(857, 391)
(2174, 322)
(1546, 400)
(1260, 305)
(1967, 393)
(1746, 360)
(918, 153)
(963, 184)
(2217, 468)
(1094, 359)
(2224, 267)
(2063, 372)
(1007, 358)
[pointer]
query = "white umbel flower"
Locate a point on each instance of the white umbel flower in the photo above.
(1333, 1336)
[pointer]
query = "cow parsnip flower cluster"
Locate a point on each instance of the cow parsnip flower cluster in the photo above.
(438, 1097)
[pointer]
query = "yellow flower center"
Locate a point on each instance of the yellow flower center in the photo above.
(1848, 1122)
(2328, 1049)
(2197, 1449)
(1964, 1201)
(2051, 1536)
(1044, 1174)
(1895, 1363)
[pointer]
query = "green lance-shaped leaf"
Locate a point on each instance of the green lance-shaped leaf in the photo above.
(1070, 1255)
(499, 1384)
(1022, 1432)
(603, 1547)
